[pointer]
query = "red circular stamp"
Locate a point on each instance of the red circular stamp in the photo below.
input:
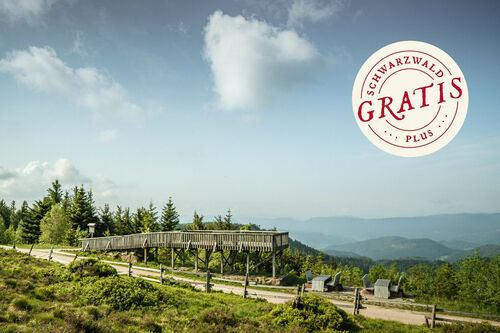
(410, 98)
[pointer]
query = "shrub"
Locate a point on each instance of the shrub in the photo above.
(316, 313)
(121, 293)
(22, 304)
(219, 316)
(90, 267)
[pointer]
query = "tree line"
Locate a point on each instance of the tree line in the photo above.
(62, 217)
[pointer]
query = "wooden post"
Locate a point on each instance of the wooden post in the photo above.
(196, 260)
(76, 256)
(207, 287)
(356, 300)
(298, 290)
(281, 262)
(145, 255)
(248, 262)
(221, 262)
(161, 274)
(183, 262)
(14, 244)
(50, 253)
(129, 269)
(274, 264)
(302, 290)
(31, 248)
(207, 258)
(245, 287)
(173, 257)
(433, 322)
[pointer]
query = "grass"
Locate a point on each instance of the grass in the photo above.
(41, 296)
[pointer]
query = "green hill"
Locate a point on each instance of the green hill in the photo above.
(394, 247)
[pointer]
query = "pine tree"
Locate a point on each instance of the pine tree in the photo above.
(55, 193)
(227, 221)
(78, 213)
(106, 221)
(138, 220)
(169, 217)
(197, 222)
(219, 222)
(66, 202)
(92, 216)
(30, 226)
(5, 213)
(127, 224)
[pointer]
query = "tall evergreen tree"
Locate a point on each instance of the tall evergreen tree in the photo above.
(66, 202)
(197, 222)
(127, 224)
(78, 213)
(5, 213)
(227, 221)
(106, 221)
(30, 226)
(169, 216)
(219, 222)
(138, 220)
(55, 192)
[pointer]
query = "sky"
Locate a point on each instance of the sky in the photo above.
(241, 105)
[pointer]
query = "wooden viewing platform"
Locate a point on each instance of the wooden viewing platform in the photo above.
(182, 242)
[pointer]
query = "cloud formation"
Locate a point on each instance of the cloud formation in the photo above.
(29, 10)
(251, 60)
(107, 136)
(313, 11)
(31, 181)
(42, 70)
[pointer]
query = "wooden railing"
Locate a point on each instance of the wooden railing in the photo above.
(266, 241)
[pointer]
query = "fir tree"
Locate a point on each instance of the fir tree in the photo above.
(169, 217)
(55, 192)
(78, 213)
(219, 222)
(30, 226)
(66, 202)
(106, 221)
(227, 221)
(5, 213)
(197, 222)
(137, 220)
(127, 226)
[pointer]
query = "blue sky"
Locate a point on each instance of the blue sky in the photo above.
(236, 104)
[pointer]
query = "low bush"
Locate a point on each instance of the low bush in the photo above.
(315, 313)
(121, 293)
(90, 267)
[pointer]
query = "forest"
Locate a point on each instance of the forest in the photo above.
(61, 218)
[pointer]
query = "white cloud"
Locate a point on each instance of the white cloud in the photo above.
(312, 10)
(31, 181)
(251, 60)
(107, 135)
(41, 69)
(29, 10)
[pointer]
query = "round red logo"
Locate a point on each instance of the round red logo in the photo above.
(410, 98)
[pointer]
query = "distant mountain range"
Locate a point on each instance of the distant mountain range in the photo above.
(395, 247)
(455, 231)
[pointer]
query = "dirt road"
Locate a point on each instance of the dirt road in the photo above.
(370, 311)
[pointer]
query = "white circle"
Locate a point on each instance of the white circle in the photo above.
(410, 98)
